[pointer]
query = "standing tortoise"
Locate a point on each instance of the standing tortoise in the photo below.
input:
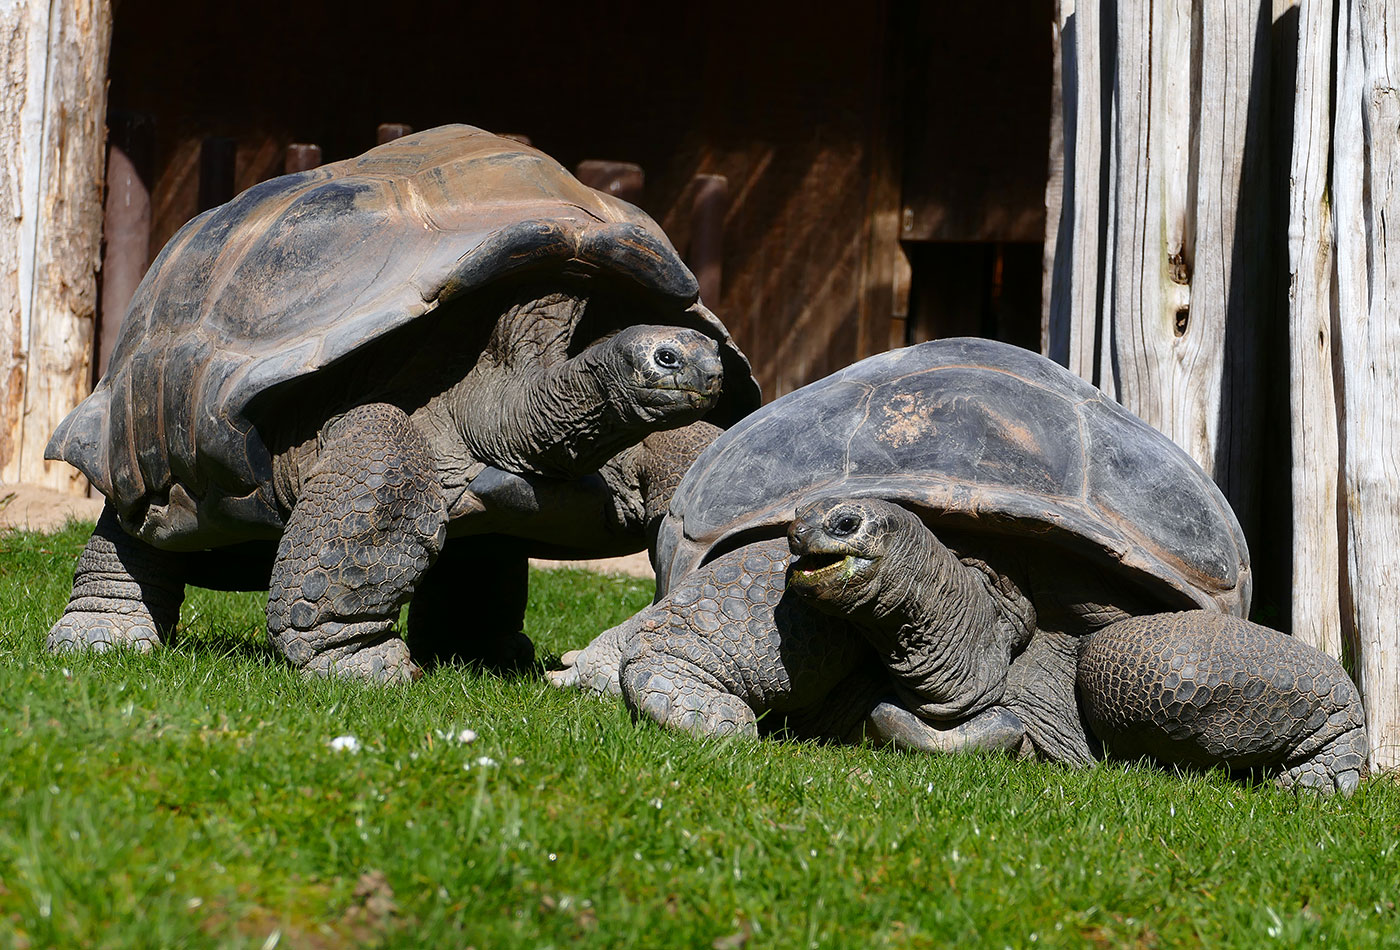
(448, 340)
(989, 553)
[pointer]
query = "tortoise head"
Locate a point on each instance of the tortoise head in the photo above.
(848, 550)
(670, 375)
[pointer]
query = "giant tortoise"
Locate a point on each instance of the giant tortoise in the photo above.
(989, 554)
(448, 340)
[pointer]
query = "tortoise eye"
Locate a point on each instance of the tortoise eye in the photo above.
(667, 358)
(845, 524)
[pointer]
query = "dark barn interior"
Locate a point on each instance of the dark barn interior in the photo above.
(884, 165)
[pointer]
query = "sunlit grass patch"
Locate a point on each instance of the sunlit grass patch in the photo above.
(208, 795)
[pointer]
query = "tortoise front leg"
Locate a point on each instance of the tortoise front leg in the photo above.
(125, 593)
(369, 520)
(470, 606)
(1202, 689)
(725, 646)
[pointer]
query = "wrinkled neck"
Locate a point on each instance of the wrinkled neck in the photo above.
(555, 420)
(939, 629)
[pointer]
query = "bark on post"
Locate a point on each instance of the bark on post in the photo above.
(1166, 202)
(1366, 198)
(53, 66)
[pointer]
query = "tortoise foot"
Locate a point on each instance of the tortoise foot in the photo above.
(368, 650)
(1339, 766)
(680, 696)
(98, 632)
(594, 669)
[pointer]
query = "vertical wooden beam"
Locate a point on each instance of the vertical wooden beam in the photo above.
(388, 131)
(706, 253)
(126, 225)
(52, 133)
(301, 157)
(620, 179)
(1366, 197)
(1317, 569)
(1054, 179)
(1166, 110)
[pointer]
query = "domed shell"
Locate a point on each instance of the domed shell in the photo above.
(977, 435)
(300, 272)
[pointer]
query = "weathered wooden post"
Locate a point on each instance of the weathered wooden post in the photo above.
(619, 179)
(388, 131)
(1366, 201)
(53, 66)
(301, 157)
(126, 224)
(706, 255)
(1160, 268)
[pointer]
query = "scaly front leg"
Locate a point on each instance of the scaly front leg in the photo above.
(368, 522)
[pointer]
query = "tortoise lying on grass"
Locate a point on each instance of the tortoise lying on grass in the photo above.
(989, 554)
(448, 340)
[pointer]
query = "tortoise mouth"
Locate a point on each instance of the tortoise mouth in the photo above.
(815, 569)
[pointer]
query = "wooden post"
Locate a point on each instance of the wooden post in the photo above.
(1366, 199)
(1166, 247)
(53, 66)
(706, 256)
(388, 131)
(1318, 575)
(619, 179)
(126, 224)
(301, 157)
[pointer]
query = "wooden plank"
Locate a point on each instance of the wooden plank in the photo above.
(56, 188)
(24, 48)
(126, 225)
(300, 157)
(705, 254)
(1317, 570)
(1366, 196)
(1165, 280)
(623, 180)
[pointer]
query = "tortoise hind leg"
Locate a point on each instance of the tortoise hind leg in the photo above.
(470, 607)
(125, 593)
(1202, 689)
(368, 521)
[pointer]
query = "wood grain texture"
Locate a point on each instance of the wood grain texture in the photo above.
(23, 46)
(1163, 135)
(68, 238)
(1316, 611)
(55, 70)
(1366, 192)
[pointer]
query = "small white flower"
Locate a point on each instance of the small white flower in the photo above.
(461, 737)
(345, 744)
(655, 803)
(486, 761)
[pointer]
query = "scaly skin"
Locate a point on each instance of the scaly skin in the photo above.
(368, 513)
(725, 647)
(1201, 689)
(369, 521)
(1195, 689)
(125, 593)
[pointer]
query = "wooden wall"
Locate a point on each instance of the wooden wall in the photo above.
(792, 106)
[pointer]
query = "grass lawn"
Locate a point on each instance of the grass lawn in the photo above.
(194, 798)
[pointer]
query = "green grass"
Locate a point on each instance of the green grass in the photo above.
(191, 798)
